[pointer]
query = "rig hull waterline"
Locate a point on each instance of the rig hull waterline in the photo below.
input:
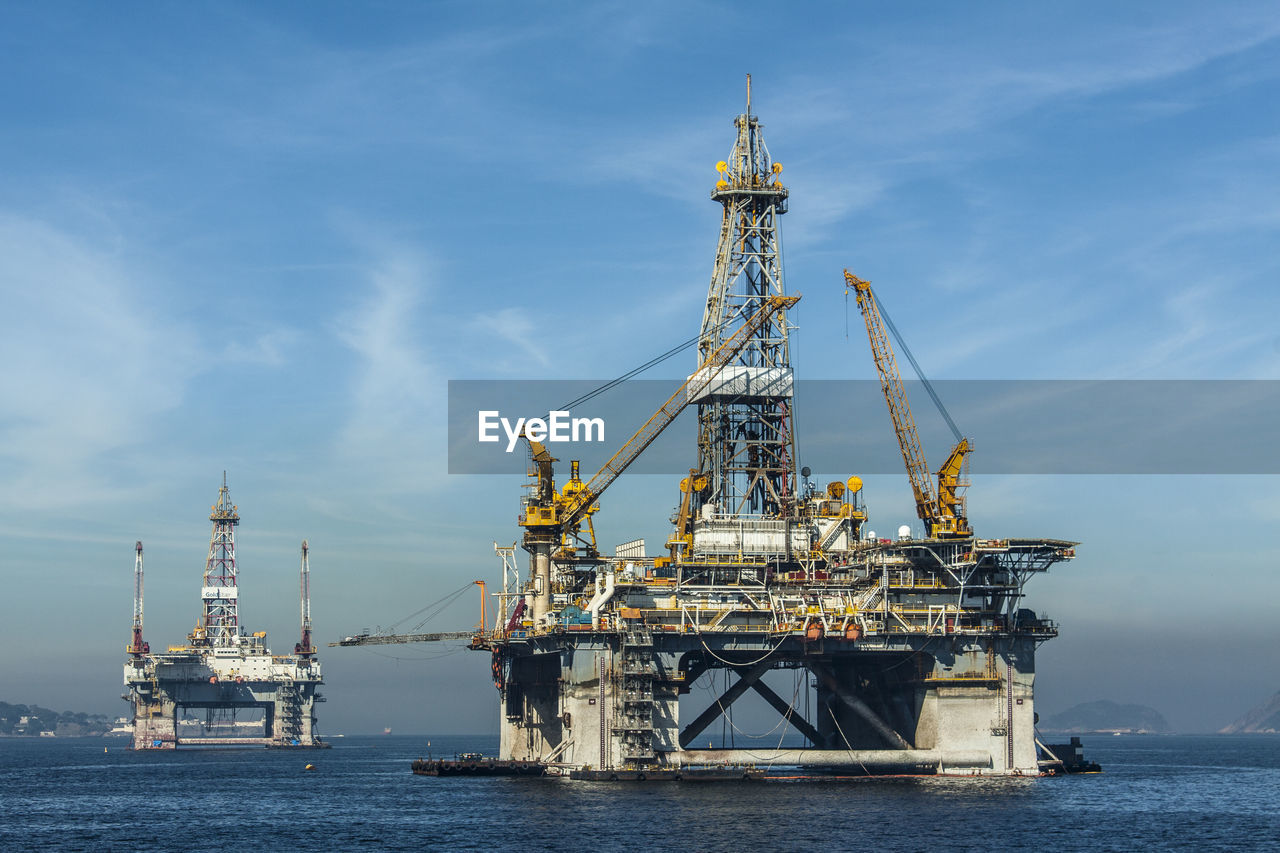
(220, 671)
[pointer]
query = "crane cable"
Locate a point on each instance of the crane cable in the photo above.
(906, 350)
(653, 362)
(613, 383)
(928, 386)
(434, 607)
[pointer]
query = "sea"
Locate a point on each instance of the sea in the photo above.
(1156, 792)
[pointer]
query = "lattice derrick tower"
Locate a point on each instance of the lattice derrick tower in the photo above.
(746, 444)
(220, 624)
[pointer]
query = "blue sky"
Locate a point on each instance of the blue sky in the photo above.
(262, 237)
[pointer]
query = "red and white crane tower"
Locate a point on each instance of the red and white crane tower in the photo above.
(138, 646)
(304, 647)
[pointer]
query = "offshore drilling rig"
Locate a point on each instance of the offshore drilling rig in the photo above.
(914, 653)
(220, 670)
(919, 655)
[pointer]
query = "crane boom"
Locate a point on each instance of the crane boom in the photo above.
(366, 639)
(390, 639)
(942, 511)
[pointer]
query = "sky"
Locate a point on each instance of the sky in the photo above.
(262, 237)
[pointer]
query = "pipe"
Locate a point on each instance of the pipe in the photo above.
(555, 753)
(879, 759)
(600, 600)
(595, 597)
(541, 582)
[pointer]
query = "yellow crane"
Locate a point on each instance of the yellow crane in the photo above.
(942, 510)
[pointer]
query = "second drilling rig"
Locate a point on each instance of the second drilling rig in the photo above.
(221, 671)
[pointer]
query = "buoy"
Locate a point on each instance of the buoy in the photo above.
(311, 767)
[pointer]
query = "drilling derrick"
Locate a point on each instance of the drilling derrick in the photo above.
(746, 453)
(220, 624)
(246, 695)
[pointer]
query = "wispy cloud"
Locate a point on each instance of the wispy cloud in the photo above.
(394, 423)
(433, 91)
(512, 325)
(951, 87)
(269, 349)
(90, 364)
(941, 114)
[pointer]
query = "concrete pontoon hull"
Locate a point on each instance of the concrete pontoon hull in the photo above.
(886, 705)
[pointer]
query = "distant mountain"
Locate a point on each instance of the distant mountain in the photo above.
(1106, 716)
(1264, 719)
(34, 721)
